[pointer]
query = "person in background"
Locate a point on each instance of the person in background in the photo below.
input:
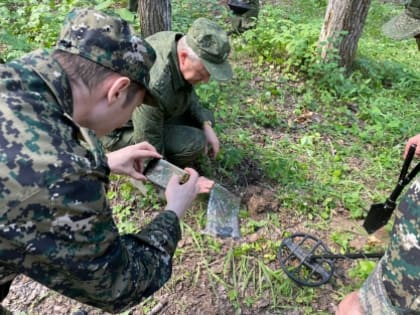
(394, 286)
(133, 5)
(406, 25)
(56, 225)
(245, 14)
(174, 120)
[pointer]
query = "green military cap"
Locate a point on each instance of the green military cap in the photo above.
(405, 25)
(211, 43)
(109, 41)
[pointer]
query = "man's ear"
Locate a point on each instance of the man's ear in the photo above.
(183, 55)
(117, 86)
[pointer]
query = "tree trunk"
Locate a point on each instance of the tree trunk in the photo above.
(155, 16)
(347, 16)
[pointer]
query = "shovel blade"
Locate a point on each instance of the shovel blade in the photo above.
(378, 216)
(222, 213)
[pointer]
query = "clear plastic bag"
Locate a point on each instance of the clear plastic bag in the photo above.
(222, 208)
(222, 213)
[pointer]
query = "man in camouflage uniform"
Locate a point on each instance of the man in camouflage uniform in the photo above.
(56, 225)
(245, 14)
(394, 286)
(175, 122)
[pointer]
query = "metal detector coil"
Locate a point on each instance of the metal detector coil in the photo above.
(295, 256)
(308, 261)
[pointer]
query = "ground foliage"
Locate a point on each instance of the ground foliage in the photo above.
(307, 147)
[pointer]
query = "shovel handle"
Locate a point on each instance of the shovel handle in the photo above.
(396, 192)
(404, 179)
(413, 173)
(407, 161)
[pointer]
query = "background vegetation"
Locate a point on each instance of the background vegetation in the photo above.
(325, 143)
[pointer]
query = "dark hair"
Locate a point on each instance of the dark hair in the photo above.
(91, 73)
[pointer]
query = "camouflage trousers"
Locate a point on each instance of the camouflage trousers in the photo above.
(394, 286)
(182, 144)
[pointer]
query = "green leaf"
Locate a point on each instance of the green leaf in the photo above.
(126, 14)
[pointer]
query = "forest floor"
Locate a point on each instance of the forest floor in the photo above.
(191, 290)
(196, 293)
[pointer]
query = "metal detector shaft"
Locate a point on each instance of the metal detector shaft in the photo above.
(347, 255)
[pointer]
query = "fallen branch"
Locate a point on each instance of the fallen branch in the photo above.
(158, 307)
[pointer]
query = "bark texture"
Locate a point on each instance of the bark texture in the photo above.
(155, 16)
(342, 29)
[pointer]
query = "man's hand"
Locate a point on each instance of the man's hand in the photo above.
(130, 160)
(179, 196)
(205, 185)
(212, 140)
(350, 305)
(413, 140)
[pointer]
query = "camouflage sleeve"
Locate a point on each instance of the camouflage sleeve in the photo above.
(73, 246)
(198, 112)
(401, 263)
(148, 122)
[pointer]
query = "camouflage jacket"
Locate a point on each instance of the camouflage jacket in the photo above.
(401, 263)
(175, 96)
(55, 222)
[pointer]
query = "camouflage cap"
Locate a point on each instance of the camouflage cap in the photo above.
(405, 25)
(109, 41)
(211, 43)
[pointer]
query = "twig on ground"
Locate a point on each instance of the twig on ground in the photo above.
(158, 307)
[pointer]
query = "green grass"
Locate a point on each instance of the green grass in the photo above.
(322, 140)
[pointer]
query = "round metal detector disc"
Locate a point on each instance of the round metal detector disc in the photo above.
(300, 257)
